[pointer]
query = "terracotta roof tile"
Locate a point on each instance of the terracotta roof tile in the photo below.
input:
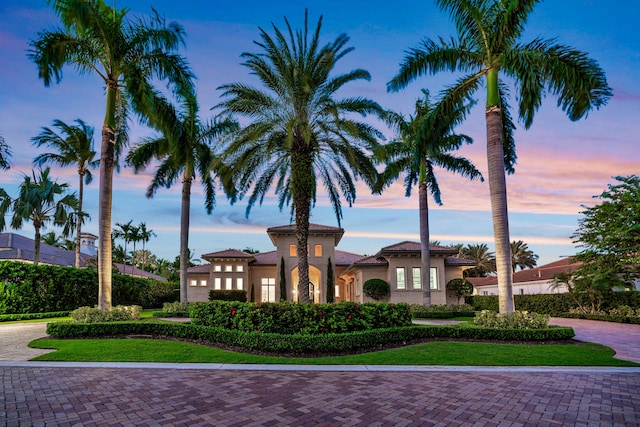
(408, 246)
(265, 258)
(459, 261)
(228, 253)
(346, 258)
(544, 272)
(289, 228)
(204, 268)
(371, 260)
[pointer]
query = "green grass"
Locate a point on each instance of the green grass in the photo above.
(430, 353)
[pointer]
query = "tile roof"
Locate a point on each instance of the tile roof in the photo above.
(130, 270)
(313, 229)
(541, 273)
(203, 268)
(265, 258)
(346, 258)
(451, 260)
(17, 247)
(371, 260)
(408, 246)
(228, 253)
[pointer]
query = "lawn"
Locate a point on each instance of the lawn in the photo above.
(429, 353)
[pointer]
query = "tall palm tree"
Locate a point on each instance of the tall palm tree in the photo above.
(425, 142)
(487, 49)
(5, 154)
(74, 146)
(127, 56)
(297, 131)
(41, 201)
(485, 260)
(184, 150)
(522, 256)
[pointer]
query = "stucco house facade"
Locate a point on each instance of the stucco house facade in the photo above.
(398, 265)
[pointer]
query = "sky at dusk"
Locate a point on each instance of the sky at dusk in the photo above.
(561, 164)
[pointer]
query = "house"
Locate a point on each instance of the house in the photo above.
(14, 247)
(538, 280)
(398, 265)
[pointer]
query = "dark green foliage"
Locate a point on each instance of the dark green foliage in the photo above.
(228, 295)
(283, 281)
(603, 317)
(286, 318)
(30, 316)
(553, 304)
(460, 286)
(330, 283)
(376, 289)
(25, 288)
(301, 344)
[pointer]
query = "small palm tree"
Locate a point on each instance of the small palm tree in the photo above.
(488, 47)
(184, 150)
(425, 142)
(52, 239)
(298, 132)
(73, 146)
(124, 231)
(5, 154)
(145, 235)
(41, 201)
(522, 256)
(127, 56)
(485, 260)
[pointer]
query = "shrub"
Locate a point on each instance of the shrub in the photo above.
(461, 287)
(287, 318)
(301, 344)
(437, 311)
(29, 316)
(515, 320)
(376, 289)
(117, 313)
(228, 295)
(173, 309)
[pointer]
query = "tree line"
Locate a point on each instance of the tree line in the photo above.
(298, 131)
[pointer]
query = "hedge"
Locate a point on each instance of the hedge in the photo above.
(287, 318)
(303, 344)
(228, 295)
(25, 288)
(31, 316)
(553, 304)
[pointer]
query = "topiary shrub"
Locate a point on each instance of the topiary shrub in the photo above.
(461, 287)
(515, 320)
(117, 313)
(376, 289)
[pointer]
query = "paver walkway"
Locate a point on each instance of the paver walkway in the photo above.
(59, 394)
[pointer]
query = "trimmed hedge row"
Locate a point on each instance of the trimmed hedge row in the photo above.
(287, 318)
(30, 316)
(603, 317)
(303, 344)
(25, 288)
(553, 304)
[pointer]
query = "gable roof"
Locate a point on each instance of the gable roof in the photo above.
(542, 273)
(314, 229)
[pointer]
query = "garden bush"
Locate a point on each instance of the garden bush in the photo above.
(304, 344)
(228, 295)
(117, 313)
(515, 320)
(173, 309)
(25, 288)
(31, 316)
(441, 311)
(287, 318)
(376, 289)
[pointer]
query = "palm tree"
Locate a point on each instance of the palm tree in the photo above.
(145, 235)
(41, 201)
(485, 260)
(74, 146)
(5, 154)
(297, 131)
(51, 239)
(488, 47)
(522, 256)
(184, 150)
(127, 56)
(124, 231)
(425, 142)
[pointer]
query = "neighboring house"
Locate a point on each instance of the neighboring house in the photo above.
(537, 280)
(14, 247)
(397, 264)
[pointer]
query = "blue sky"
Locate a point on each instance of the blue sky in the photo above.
(561, 164)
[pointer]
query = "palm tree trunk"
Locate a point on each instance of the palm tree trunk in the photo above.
(498, 192)
(425, 254)
(36, 245)
(302, 190)
(184, 236)
(78, 217)
(106, 199)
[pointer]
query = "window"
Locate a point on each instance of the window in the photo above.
(217, 267)
(268, 289)
(417, 282)
(337, 291)
(485, 293)
(521, 291)
(193, 282)
(292, 250)
(239, 268)
(317, 250)
(400, 283)
(228, 268)
(433, 278)
(239, 283)
(203, 283)
(217, 283)
(228, 283)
